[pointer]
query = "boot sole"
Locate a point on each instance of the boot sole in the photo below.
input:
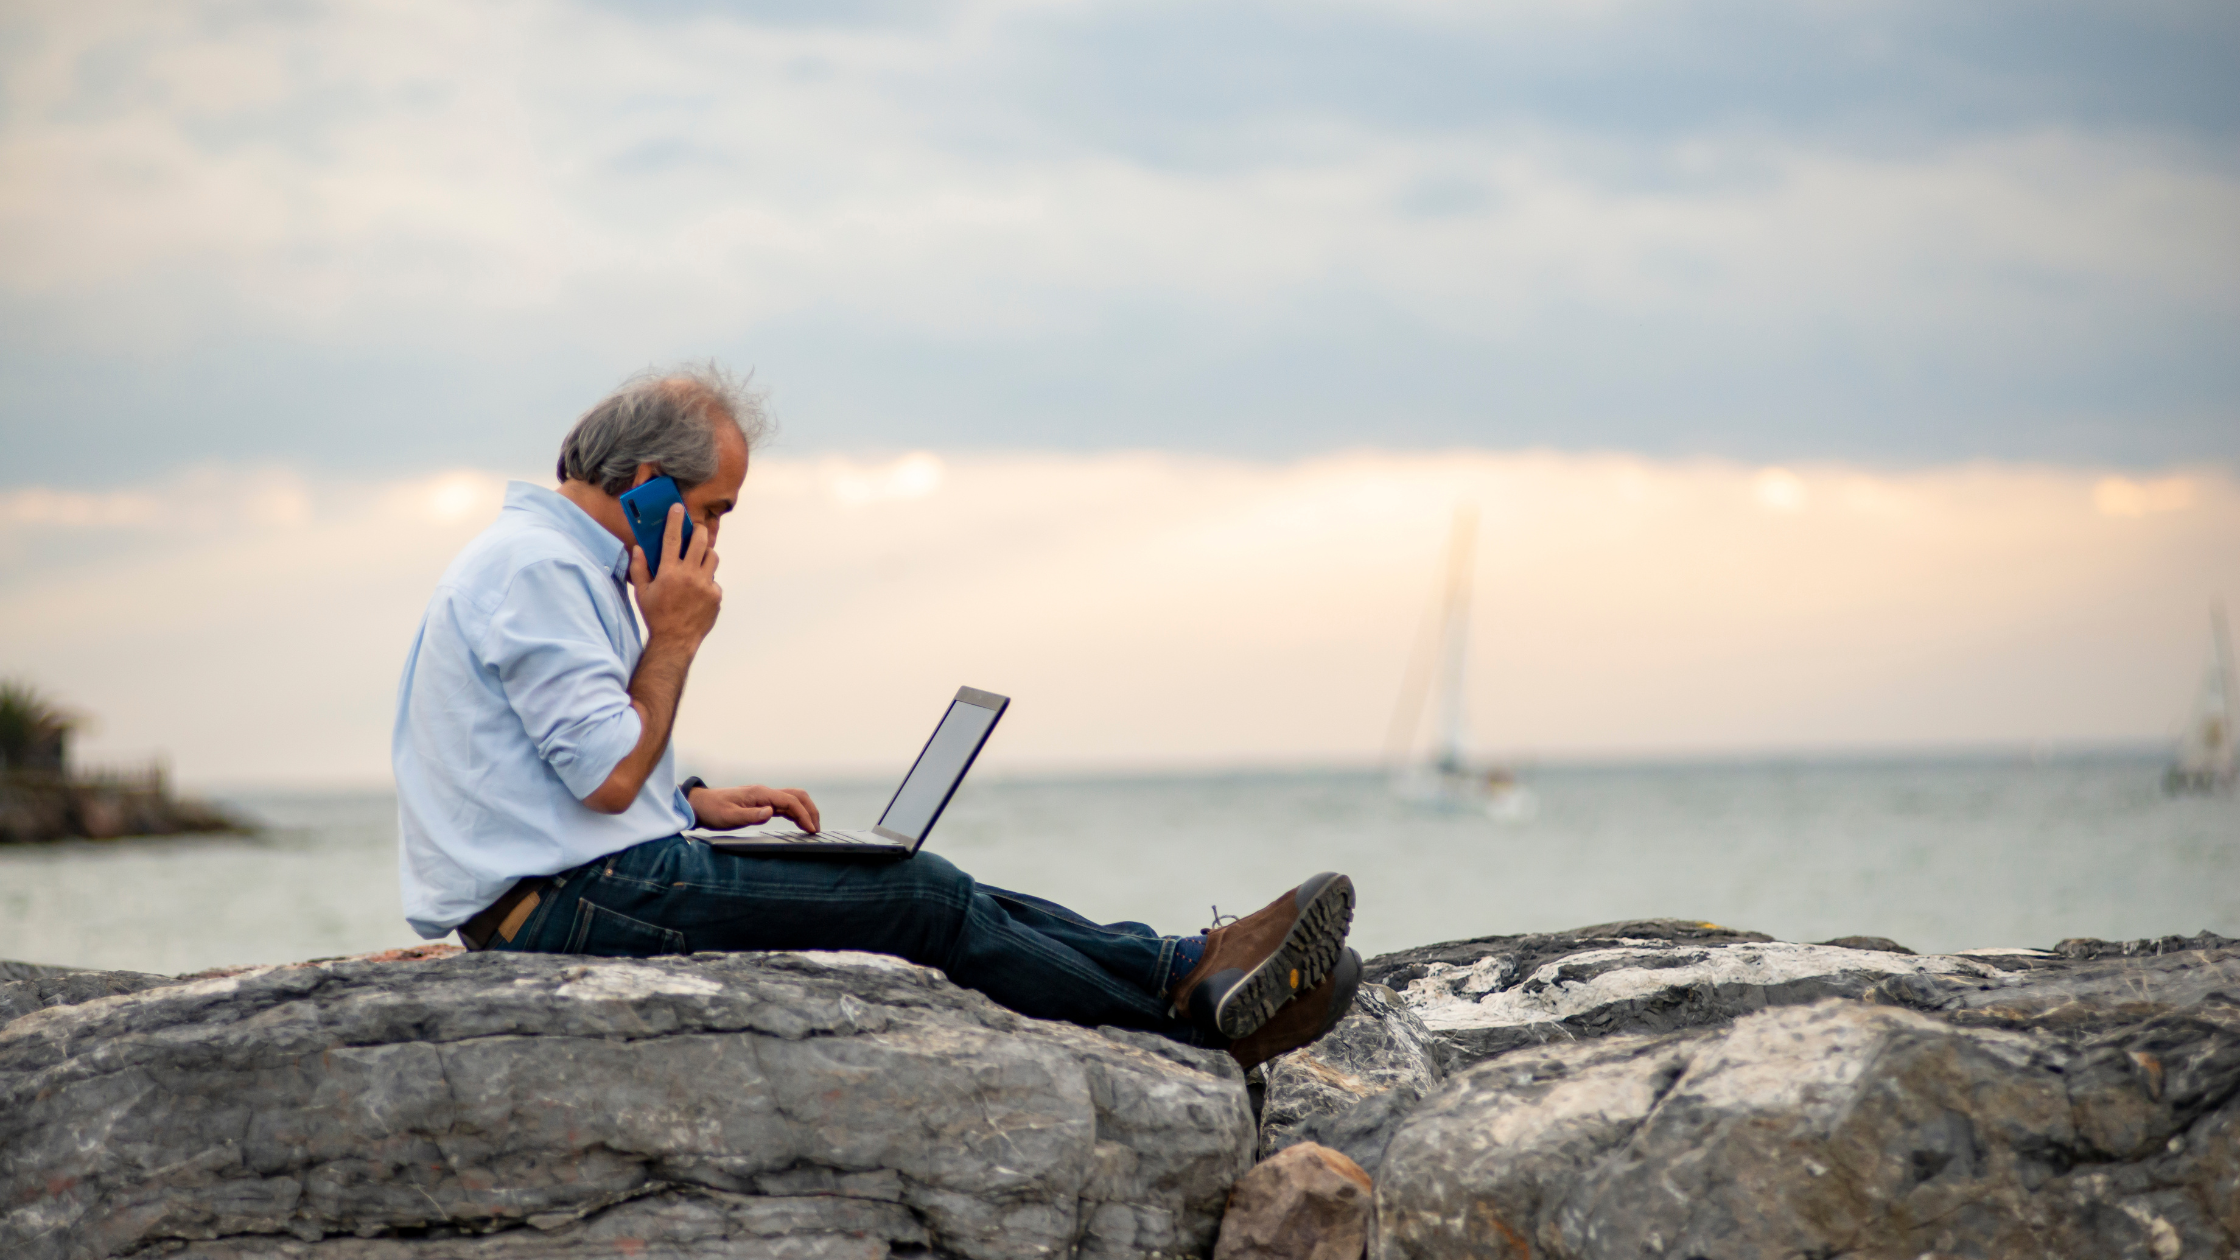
(1314, 944)
(1341, 997)
(1345, 984)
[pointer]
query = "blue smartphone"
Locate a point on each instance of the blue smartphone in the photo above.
(647, 507)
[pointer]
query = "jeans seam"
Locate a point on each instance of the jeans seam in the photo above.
(668, 936)
(1088, 971)
(1085, 970)
(1164, 968)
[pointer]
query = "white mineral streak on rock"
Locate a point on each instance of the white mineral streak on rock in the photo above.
(1447, 998)
(851, 959)
(1804, 1061)
(1598, 1096)
(626, 982)
(2162, 1238)
(59, 1018)
(1481, 977)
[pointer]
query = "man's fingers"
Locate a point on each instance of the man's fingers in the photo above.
(697, 549)
(671, 532)
(790, 806)
(792, 802)
(807, 804)
(639, 577)
(795, 805)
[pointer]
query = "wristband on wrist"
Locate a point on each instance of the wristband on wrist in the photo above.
(686, 787)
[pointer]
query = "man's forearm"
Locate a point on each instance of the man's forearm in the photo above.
(655, 690)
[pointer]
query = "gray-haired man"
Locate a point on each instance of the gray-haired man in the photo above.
(539, 809)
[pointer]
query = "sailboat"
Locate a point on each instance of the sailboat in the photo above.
(1448, 778)
(2205, 760)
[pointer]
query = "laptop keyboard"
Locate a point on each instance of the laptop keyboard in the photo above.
(815, 837)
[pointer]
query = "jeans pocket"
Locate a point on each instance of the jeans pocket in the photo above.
(612, 934)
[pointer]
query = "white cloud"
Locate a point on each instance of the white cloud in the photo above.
(2123, 496)
(1160, 610)
(1779, 490)
(913, 476)
(418, 174)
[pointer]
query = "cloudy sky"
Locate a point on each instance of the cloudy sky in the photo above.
(1866, 367)
(370, 236)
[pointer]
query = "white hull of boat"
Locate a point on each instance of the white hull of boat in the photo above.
(1501, 799)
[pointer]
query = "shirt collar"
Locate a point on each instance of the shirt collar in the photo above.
(603, 548)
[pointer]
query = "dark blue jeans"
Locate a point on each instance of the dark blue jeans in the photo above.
(676, 896)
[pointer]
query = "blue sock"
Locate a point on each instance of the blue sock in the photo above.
(1189, 951)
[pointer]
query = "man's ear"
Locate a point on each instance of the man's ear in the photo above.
(646, 473)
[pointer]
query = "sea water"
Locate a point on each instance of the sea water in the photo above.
(1937, 854)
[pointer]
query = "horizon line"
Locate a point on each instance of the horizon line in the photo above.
(1821, 756)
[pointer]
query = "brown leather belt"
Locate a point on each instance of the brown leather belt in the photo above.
(503, 916)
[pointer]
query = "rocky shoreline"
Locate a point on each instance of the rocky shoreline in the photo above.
(37, 807)
(1659, 1088)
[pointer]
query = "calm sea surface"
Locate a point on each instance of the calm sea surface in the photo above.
(1938, 855)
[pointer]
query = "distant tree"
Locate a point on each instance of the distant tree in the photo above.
(34, 731)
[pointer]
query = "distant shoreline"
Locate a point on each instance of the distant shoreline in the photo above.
(38, 807)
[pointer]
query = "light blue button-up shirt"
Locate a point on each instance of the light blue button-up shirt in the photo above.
(515, 705)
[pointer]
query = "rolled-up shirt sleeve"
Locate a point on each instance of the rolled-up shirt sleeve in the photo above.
(562, 674)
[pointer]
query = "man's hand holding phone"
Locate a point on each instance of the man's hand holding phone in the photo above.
(681, 601)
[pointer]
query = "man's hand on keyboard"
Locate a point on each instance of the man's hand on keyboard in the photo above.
(727, 809)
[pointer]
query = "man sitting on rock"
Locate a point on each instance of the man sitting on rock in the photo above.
(539, 807)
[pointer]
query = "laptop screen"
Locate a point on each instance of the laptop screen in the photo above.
(946, 757)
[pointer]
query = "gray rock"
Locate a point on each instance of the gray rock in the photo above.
(1664, 1095)
(1483, 998)
(27, 987)
(1348, 1090)
(491, 1105)
(1505, 1000)
(2087, 947)
(2056, 992)
(1836, 1128)
(10, 970)
(1882, 943)
(1528, 951)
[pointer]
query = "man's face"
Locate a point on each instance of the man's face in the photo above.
(711, 499)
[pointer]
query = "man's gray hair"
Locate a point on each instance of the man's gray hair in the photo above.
(666, 418)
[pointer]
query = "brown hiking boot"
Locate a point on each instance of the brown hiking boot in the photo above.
(1256, 964)
(1305, 1018)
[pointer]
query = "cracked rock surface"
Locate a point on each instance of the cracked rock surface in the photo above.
(1349, 1090)
(1838, 1128)
(1678, 1089)
(498, 1105)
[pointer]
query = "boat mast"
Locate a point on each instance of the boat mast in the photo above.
(1454, 627)
(2205, 760)
(2217, 733)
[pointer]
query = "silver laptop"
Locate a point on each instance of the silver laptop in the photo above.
(917, 804)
